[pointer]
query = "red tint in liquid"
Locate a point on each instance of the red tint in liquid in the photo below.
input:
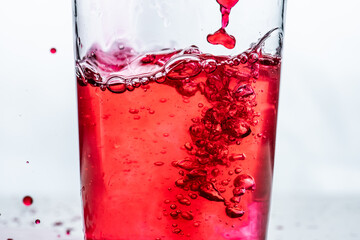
(214, 180)
(27, 200)
(221, 36)
(53, 50)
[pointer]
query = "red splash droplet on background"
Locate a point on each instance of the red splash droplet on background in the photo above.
(27, 200)
(53, 50)
(37, 221)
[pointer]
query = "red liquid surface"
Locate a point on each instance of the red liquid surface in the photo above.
(181, 148)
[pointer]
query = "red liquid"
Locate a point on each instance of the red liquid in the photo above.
(221, 36)
(182, 149)
(27, 200)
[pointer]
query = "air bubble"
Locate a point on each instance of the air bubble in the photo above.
(238, 170)
(235, 199)
(224, 182)
(173, 206)
(133, 110)
(197, 173)
(187, 164)
(179, 196)
(135, 82)
(116, 85)
(253, 57)
(160, 77)
(243, 58)
(174, 214)
(236, 61)
(159, 163)
(215, 172)
(162, 100)
(237, 128)
(192, 195)
(184, 201)
(234, 212)
(196, 130)
(209, 65)
(238, 191)
(245, 181)
(243, 91)
(177, 230)
(130, 87)
(237, 157)
(144, 81)
(182, 67)
(102, 87)
(188, 146)
(187, 215)
(208, 191)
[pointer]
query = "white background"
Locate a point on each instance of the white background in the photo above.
(317, 155)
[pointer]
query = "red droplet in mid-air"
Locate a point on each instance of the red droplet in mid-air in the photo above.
(37, 221)
(223, 38)
(27, 200)
(53, 50)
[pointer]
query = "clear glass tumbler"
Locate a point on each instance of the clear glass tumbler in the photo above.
(177, 106)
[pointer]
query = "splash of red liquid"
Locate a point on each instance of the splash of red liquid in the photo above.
(221, 36)
(53, 50)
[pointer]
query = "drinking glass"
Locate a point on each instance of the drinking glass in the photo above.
(177, 104)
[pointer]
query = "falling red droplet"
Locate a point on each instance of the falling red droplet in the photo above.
(27, 200)
(223, 38)
(53, 50)
(227, 3)
(37, 221)
(68, 231)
